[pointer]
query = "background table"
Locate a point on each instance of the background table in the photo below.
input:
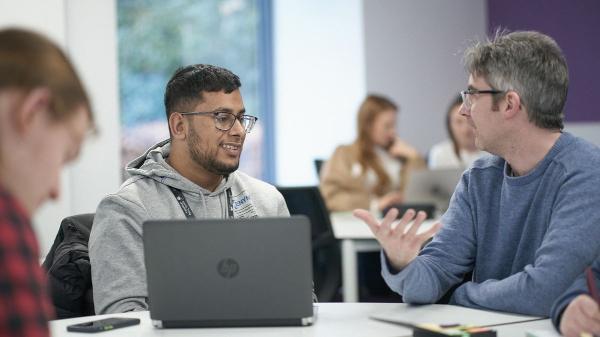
(356, 237)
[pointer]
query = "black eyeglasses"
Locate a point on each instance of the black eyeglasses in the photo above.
(467, 100)
(224, 120)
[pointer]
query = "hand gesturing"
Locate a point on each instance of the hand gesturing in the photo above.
(400, 245)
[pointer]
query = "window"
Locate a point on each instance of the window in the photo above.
(157, 37)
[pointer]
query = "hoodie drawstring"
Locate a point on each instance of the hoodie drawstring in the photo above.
(204, 204)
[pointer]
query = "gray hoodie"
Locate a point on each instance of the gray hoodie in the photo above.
(116, 250)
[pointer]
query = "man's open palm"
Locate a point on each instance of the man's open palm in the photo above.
(400, 245)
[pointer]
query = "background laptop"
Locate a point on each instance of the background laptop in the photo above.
(432, 187)
(229, 272)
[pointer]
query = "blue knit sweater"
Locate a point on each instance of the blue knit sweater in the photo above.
(577, 288)
(525, 238)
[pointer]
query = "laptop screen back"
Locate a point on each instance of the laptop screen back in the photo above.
(229, 269)
(433, 187)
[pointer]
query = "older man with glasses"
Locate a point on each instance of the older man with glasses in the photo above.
(192, 174)
(524, 220)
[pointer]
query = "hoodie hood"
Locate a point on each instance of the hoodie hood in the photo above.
(152, 164)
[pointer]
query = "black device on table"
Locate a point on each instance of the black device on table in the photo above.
(103, 324)
(425, 207)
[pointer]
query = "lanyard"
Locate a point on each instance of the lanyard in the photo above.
(187, 210)
(229, 203)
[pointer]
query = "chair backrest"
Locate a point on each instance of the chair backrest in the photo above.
(68, 266)
(307, 200)
(318, 164)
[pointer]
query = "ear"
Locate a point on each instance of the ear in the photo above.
(178, 126)
(513, 104)
(35, 103)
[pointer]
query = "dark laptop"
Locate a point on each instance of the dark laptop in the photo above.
(432, 187)
(229, 272)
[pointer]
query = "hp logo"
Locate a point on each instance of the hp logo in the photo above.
(228, 268)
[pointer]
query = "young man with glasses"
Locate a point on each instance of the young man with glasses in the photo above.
(524, 220)
(192, 174)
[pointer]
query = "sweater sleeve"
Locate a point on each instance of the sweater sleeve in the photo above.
(577, 288)
(570, 244)
(341, 190)
(444, 261)
(117, 257)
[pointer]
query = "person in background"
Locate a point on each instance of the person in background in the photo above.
(523, 220)
(371, 172)
(577, 312)
(44, 117)
(460, 150)
(192, 174)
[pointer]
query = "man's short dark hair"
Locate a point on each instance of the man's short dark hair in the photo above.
(184, 89)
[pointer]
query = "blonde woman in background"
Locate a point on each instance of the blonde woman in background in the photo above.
(459, 151)
(371, 172)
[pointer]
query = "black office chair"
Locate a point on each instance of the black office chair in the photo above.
(327, 273)
(68, 267)
(318, 166)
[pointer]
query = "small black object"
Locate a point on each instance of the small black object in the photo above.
(425, 207)
(103, 324)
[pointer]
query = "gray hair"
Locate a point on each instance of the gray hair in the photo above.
(529, 63)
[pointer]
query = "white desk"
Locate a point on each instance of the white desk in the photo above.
(542, 327)
(356, 237)
(334, 319)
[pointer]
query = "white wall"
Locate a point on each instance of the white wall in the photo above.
(319, 82)
(92, 44)
(47, 17)
(589, 131)
(87, 31)
(413, 55)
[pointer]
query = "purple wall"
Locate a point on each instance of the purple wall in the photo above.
(575, 25)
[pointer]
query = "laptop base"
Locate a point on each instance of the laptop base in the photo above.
(306, 321)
